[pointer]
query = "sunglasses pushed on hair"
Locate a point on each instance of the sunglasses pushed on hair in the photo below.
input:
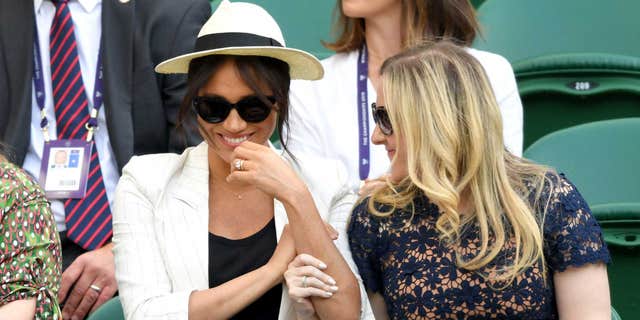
(381, 118)
(215, 109)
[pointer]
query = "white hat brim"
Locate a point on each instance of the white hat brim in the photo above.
(302, 65)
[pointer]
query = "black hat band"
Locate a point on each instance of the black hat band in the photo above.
(234, 39)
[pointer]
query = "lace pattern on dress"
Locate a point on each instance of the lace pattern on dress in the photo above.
(418, 277)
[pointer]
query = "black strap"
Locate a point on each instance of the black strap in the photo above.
(234, 39)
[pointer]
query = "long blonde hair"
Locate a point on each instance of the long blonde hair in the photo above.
(421, 20)
(442, 105)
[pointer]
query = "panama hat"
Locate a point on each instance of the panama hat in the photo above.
(245, 29)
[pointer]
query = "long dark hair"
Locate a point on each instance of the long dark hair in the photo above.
(255, 71)
(422, 20)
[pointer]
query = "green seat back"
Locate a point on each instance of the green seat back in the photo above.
(570, 58)
(602, 158)
(111, 310)
(523, 29)
(563, 90)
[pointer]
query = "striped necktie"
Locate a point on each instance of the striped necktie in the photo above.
(88, 219)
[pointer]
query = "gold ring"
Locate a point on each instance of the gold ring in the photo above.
(96, 288)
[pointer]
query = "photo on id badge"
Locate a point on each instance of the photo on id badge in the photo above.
(65, 167)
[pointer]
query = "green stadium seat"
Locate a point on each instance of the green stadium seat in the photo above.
(563, 90)
(523, 29)
(111, 310)
(602, 158)
(574, 60)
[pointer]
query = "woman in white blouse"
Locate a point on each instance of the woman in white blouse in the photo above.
(329, 116)
(204, 235)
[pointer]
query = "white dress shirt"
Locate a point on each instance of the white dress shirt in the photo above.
(160, 229)
(87, 15)
(324, 115)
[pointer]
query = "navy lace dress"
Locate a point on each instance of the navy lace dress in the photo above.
(418, 277)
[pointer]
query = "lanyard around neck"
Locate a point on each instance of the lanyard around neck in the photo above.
(363, 113)
(38, 82)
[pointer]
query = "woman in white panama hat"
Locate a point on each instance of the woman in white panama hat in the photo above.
(209, 234)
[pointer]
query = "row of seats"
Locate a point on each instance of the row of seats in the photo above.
(602, 158)
(577, 63)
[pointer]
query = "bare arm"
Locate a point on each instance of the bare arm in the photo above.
(311, 237)
(378, 305)
(583, 292)
(269, 172)
(227, 299)
(19, 310)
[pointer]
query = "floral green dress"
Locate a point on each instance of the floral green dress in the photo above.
(30, 260)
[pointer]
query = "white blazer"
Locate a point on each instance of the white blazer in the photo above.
(160, 229)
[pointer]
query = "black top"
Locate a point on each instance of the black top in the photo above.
(229, 259)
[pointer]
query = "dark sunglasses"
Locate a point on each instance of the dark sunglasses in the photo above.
(215, 109)
(381, 118)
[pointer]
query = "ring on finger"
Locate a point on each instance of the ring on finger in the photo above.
(239, 164)
(304, 281)
(95, 288)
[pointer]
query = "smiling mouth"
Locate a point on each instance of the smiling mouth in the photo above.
(234, 141)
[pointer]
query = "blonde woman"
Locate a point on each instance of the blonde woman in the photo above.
(330, 117)
(462, 228)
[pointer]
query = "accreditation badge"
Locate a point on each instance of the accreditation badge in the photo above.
(65, 168)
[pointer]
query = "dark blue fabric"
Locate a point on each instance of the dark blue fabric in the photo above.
(402, 258)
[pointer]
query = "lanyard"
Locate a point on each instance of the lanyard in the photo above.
(38, 82)
(363, 112)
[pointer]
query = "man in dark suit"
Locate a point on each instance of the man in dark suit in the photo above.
(139, 109)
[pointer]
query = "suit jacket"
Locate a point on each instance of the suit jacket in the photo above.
(160, 223)
(140, 105)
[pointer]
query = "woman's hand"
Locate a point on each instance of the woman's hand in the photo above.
(305, 279)
(258, 165)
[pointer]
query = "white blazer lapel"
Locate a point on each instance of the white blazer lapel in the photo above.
(186, 213)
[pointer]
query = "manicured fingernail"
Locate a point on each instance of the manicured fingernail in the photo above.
(322, 265)
(331, 281)
(328, 294)
(333, 288)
